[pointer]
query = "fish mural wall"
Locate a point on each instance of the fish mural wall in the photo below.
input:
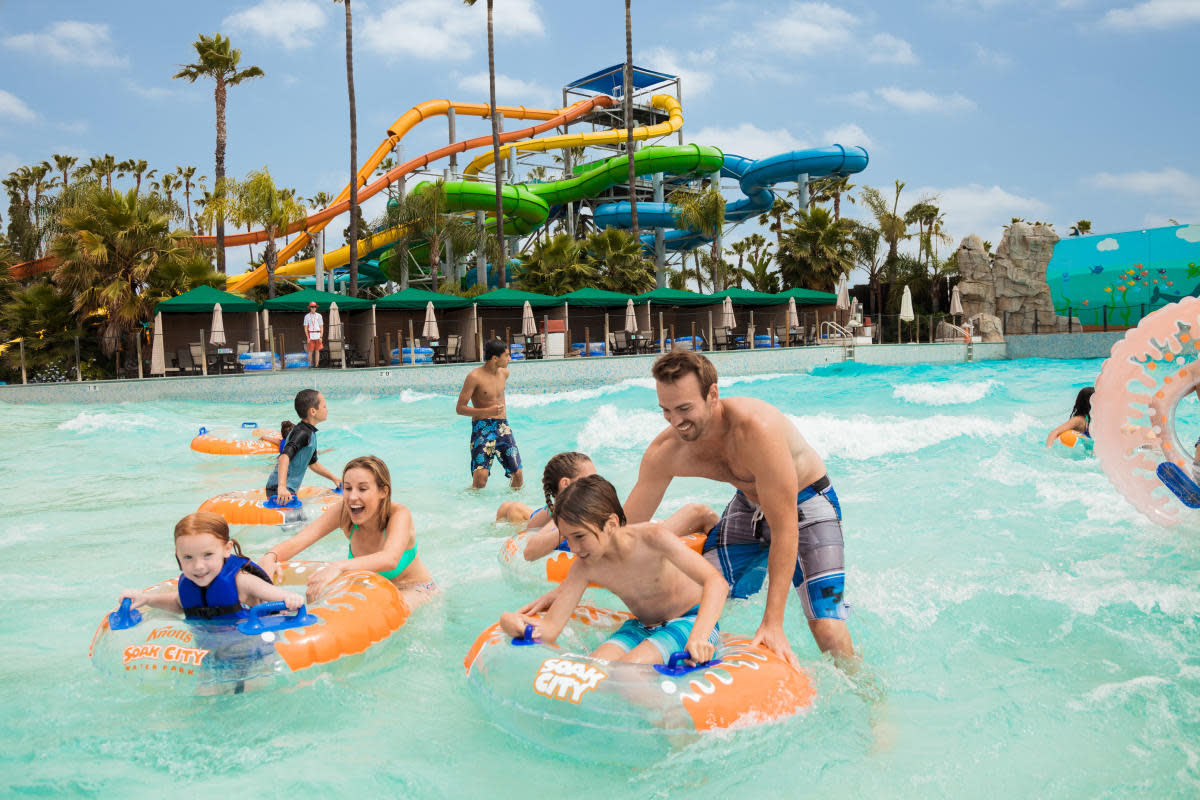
(1120, 277)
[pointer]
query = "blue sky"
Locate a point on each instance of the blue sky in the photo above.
(1045, 109)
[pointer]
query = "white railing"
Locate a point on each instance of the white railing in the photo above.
(832, 333)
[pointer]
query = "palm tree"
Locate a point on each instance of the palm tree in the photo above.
(138, 169)
(816, 252)
(22, 233)
(773, 217)
(703, 212)
(41, 315)
(353, 145)
(618, 259)
(258, 202)
(425, 216)
(63, 164)
(864, 244)
(103, 167)
(186, 174)
(1081, 228)
(219, 61)
(111, 245)
(499, 166)
(633, 220)
(760, 276)
(556, 267)
(832, 187)
(890, 224)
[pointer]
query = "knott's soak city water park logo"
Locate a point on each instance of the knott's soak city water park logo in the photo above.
(563, 679)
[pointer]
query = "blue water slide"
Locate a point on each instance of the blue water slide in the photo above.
(754, 177)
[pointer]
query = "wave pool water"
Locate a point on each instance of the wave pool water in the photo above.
(1024, 631)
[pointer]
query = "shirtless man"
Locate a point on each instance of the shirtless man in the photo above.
(781, 486)
(490, 435)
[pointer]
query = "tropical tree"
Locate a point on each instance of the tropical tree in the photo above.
(103, 167)
(218, 60)
(258, 202)
(703, 212)
(556, 267)
(42, 317)
(888, 220)
(815, 253)
(425, 216)
(756, 250)
(1081, 228)
(138, 168)
(110, 246)
(498, 165)
(168, 184)
(22, 232)
(619, 262)
(63, 164)
(864, 244)
(186, 174)
(831, 187)
(773, 217)
(40, 185)
(628, 98)
(354, 210)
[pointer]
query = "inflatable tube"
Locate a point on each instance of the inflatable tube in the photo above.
(601, 710)
(554, 567)
(1133, 413)
(1073, 444)
(241, 442)
(161, 650)
(253, 507)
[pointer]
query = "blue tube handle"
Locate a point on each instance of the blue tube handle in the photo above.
(273, 502)
(526, 639)
(675, 666)
(203, 430)
(249, 424)
(254, 622)
(126, 616)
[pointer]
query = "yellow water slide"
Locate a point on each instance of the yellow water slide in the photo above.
(664, 102)
(398, 130)
(341, 256)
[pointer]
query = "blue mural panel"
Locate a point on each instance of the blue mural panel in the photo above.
(1119, 277)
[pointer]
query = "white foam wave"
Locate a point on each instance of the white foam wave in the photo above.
(766, 376)
(612, 428)
(413, 396)
(1107, 694)
(88, 421)
(863, 436)
(943, 393)
(577, 395)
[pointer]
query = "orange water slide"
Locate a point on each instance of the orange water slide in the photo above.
(398, 129)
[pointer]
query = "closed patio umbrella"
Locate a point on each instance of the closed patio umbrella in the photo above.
(728, 320)
(631, 325)
(528, 323)
(793, 319)
(843, 294)
(956, 301)
(335, 323)
(218, 327)
(158, 361)
(853, 312)
(906, 309)
(430, 330)
(257, 332)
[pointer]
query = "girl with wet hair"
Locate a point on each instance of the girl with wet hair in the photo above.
(1081, 416)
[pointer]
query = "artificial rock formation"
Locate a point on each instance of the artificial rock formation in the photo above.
(1012, 285)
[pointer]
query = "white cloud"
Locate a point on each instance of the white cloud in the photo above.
(151, 92)
(848, 134)
(695, 80)
(982, 210)
(805, 29)
(887, 49)
(990, 58)
(8, 163)
(287, 22)
(1189, 233)
(1157, 14)
(1170, 181)
(1110, 243)
(436, 29)
(749, 140)
(76, 127)
(921, 100)
(13, 107)
(71, 42)
(510, 91)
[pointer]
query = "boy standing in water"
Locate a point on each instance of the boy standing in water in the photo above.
(300, 448)
(490, 435)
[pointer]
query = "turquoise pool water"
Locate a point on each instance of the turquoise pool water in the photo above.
(1032, 634)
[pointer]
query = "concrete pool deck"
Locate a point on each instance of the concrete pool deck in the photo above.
(548, 375)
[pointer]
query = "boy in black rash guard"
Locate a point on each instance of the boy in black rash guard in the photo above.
(299, 451)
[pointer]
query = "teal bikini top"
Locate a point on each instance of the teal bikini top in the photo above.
(391, 574)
